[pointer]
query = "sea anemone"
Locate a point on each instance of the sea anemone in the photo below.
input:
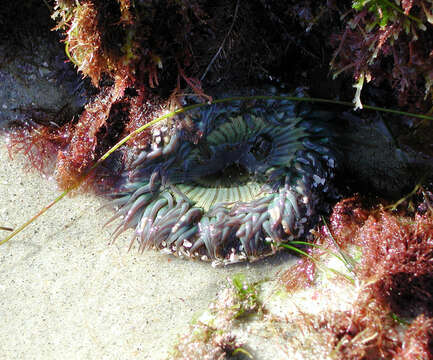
(235, 183)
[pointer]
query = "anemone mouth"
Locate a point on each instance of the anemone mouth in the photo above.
(253, 180)
(232, 174)
(230, 185)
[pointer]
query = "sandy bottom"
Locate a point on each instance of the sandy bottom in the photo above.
(66, 294)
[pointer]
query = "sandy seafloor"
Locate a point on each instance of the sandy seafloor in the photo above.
(66, 294)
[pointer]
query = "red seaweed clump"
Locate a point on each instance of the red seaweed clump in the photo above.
(366, 332)
(39, 144)
(347, 217)
(79, 155)
(396, 265)
(142, 107)
(418, 340)
(83, 39)
(300, 275)
(397, 261)
(395, 276)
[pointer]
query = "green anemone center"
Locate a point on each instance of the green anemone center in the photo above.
(229, 185)
(234, 162)
(206, 197)
(231, 182)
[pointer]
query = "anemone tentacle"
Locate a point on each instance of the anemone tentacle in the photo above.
(255, 178)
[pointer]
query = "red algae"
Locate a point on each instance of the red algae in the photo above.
(39, 144)
(385, 41)
(80, 154)
(397, 254)
(84, 42)
(418, 340)
(299, 276)
(397, 261)
(366, 332)
(395, 276)
(346, 219)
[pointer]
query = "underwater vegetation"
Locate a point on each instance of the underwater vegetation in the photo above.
(242, 179)
(388, 42)
(392, 314)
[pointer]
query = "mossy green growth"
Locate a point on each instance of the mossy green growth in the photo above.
(247, 294)
(385, 12)
(210, 334)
